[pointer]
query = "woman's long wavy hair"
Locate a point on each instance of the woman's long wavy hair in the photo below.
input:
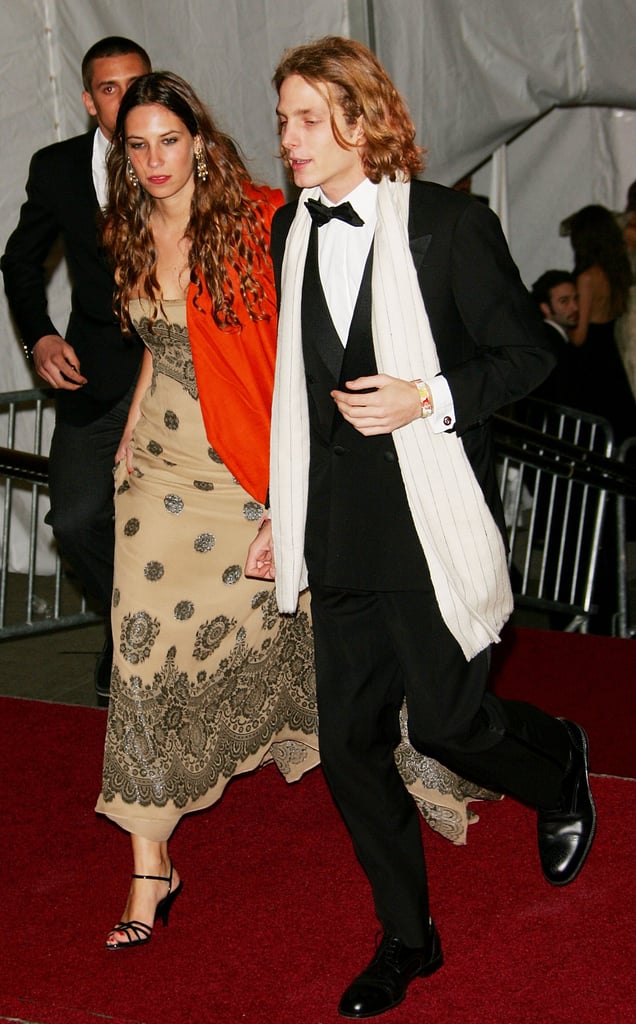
(597, 240)
(226, 224)
(350, 76)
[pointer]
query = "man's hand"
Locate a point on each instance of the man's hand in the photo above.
(260, 554)
(57, 363)
(392, 404)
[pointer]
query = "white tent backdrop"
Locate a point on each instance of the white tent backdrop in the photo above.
(477, 74)
(479, 71)
(227, 49)
(567, 159)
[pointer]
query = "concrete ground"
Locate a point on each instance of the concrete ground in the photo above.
(54, 666)
(58, 666)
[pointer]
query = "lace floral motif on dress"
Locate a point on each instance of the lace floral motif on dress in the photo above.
(205, 726)
(170, 352)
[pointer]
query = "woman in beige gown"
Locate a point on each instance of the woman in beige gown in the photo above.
(209, 680)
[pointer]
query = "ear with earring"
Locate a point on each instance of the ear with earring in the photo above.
(199, 156)
(132, 177)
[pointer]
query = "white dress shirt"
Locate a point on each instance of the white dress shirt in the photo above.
(100, 148)
(342, 256)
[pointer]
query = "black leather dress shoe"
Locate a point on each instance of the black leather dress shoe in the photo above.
(383, 984)
(566, 834)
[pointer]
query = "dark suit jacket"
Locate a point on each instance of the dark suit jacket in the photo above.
(561, 386)
(61, 201)
(492, 346)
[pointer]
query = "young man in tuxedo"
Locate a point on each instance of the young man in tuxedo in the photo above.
(92, 367)
(403, 327)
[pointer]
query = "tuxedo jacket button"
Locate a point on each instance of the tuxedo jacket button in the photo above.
(389, 456)
(338, 449)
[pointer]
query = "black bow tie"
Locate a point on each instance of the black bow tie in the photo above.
(321, 214)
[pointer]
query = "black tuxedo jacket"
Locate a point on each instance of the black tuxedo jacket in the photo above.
(493, 349)
(61, 202)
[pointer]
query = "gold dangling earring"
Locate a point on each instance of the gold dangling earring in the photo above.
(202, 167)
(132, 177)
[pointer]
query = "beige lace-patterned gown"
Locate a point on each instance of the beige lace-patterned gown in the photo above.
(209, 681)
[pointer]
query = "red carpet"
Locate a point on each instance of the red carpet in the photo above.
(275, 916)
(589, 678)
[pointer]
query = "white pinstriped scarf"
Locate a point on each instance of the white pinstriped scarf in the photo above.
(460, 539)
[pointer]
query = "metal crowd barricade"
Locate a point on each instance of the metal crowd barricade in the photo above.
(555, 479)
(624, 513)
(556, 472)
(30, 603)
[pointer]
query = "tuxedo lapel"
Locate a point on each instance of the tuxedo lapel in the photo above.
(420, 236)
(322, 349)
(330, 349)
(419, 247)
(359, 357)
(82, 171)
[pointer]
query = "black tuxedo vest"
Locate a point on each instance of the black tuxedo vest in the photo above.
(359, 532)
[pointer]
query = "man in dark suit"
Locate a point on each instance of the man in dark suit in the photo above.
(557, 299)
(403, 326)
(93, 367)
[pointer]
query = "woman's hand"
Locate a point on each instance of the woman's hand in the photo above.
(124, 450)
(260, 554)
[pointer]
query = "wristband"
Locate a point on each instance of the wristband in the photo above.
(425, 398)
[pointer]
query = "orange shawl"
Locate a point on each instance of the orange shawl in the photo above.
(235, 372)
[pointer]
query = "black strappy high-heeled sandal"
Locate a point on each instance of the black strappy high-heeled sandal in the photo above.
(137, 932)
